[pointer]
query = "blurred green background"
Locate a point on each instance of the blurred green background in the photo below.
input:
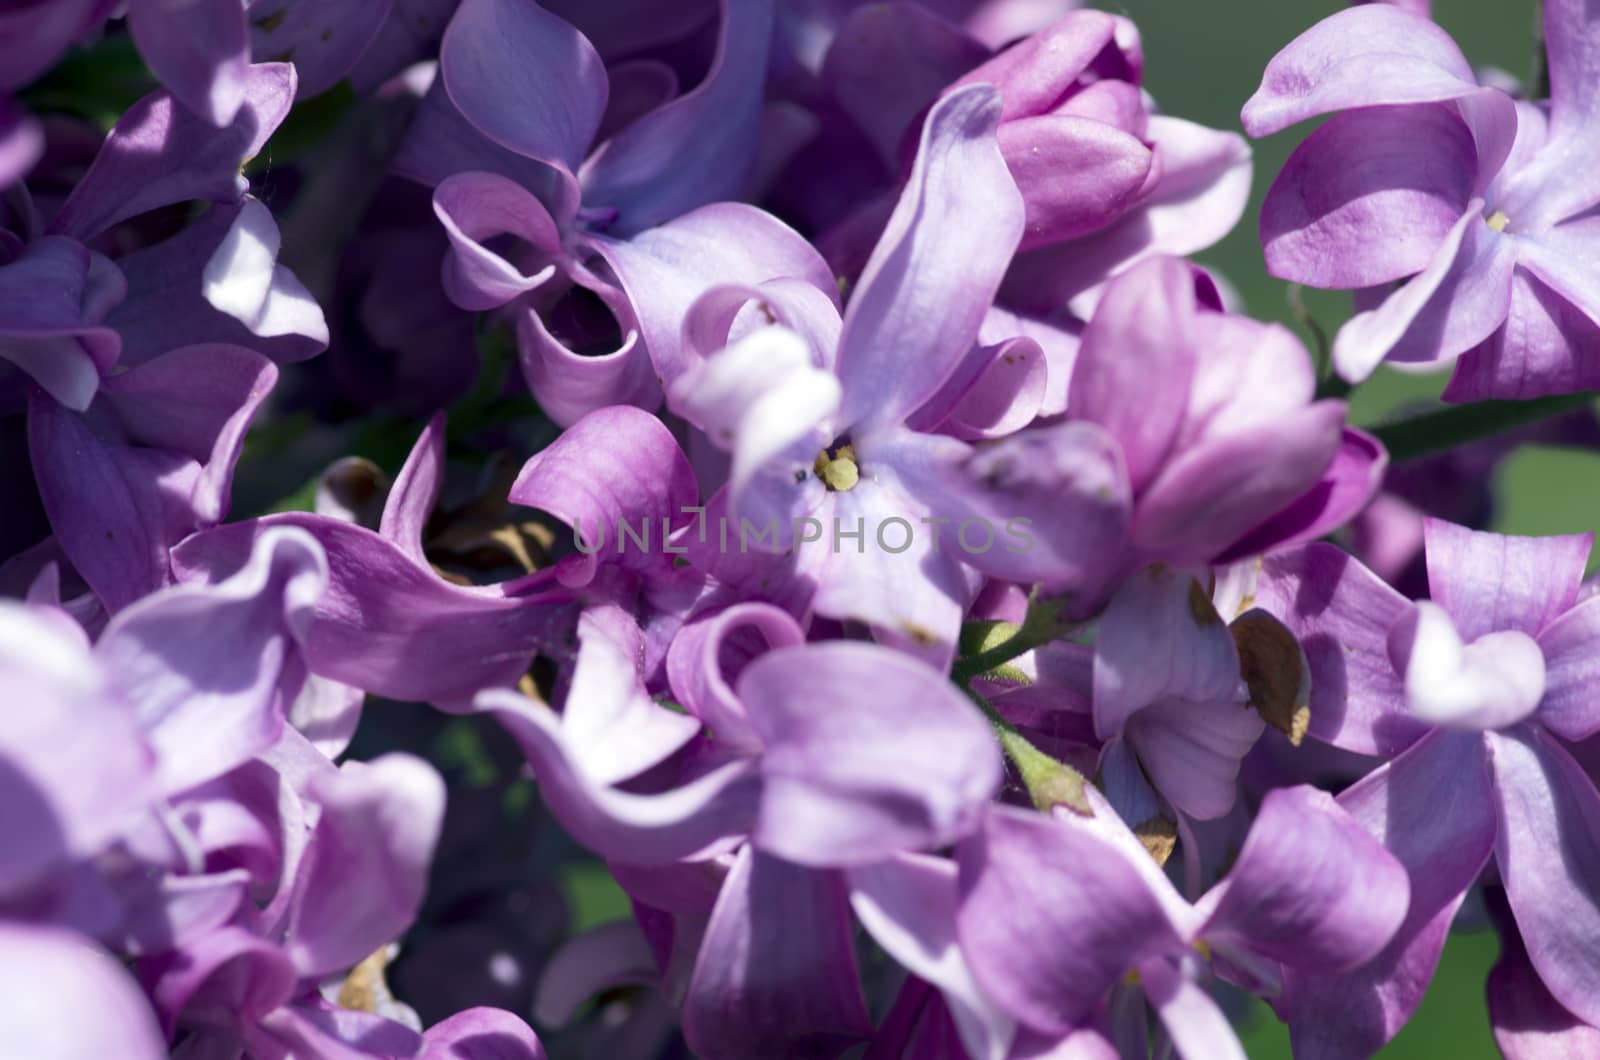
(1203, 60)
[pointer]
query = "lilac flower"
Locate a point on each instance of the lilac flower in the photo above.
(1473, 693)
(1471, 207)
(1056, 911)
(626, 208)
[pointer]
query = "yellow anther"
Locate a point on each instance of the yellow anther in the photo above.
(1498, 220)
(837, 468)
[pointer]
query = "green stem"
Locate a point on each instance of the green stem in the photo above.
(1049, 782)
(1539, 79)
(1001, 642)
(1445, 428)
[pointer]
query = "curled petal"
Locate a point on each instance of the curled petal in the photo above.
(1495, 681)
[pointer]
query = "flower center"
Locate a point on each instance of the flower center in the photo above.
(1497, 220)
(836, 467)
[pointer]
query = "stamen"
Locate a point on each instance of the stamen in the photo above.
(1498, 220)
(837, 469)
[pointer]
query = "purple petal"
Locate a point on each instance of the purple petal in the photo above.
(1053, 915)
(1364, 56)
(1160, 637)
(1548, 850)
(476, 206)
(1192, 750)
(1495, 681)
(889, 61)
(1571, 708)
(1530, 1024)
(1346, 488)
(1455, 303)
(927, 296)
(699, 662)
(323, 39)
(73, 766)
(45, 979)
(569, 385)
(908, 906)
(1136, 364)
(369, 860)
(868, 752)
(1369, 196)
(1546, 346)
(663, 270)
(777, 971)
(52, 299)
(158, 153)
(1342, 613)
(616, 467)
(32, 38)
(415, 492)
(481, 1034)
(1310, 887)
(699, 148)
(1192, 1019)
(199, 49)
(1075, 174)
(615, 729)
(1570, 28)
(387, 625)
(1035, 73)
(1208, 497)
(528, 80)
(636, 829)
(1491, 582)
(227, 977)
(21, 143)
(1433, 808)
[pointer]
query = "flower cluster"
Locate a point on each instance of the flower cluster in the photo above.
(780, 451)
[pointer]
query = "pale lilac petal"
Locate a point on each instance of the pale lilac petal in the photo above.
(1371, 55)
(1033, 73)
(632, 828)
(327, 713)
(199, 49)
(244, 280)
(158, 153)
(1310, 887)
(525, 78)
(1006, 397)
(1369, 196)
(211, 669)
(766, 400)
(777, 971)
(1530, 1024)
(1160, 637)
(1192, 750)
(868, 752)
(705, 651)
(481, 1034)
(697, 149)
(663, 270)
(1495, 681)
(1194, 1022)
(569, 385)
(1570, 29)
(1433, 809)
(930, 297)
(1548, 850)
(226, 977)
(908, 906)
(1546, 346)
(369, 860)
(614, 728)
(1455, 303)
(1490, 582)
(473, 207)
(608, 956)
(62, 997)
(73, 765)
(1136, 363)
(1347, 486)
(1052, 916)
(1571, 705)
(1564, 258)
(415, 492)
(1342, 613)
(1056, 498)
(387, 625)
(1075, 174)
(616, 466)
(1207, 498)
